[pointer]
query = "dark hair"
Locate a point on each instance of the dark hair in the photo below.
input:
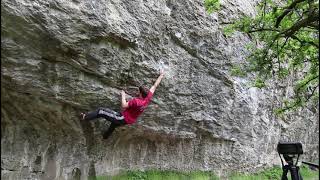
(143, 91)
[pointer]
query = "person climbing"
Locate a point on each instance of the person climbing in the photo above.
(131, 109)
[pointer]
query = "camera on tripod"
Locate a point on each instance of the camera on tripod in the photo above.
(290, 150)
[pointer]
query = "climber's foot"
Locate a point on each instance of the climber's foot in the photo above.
(106, 135)
(82, 116)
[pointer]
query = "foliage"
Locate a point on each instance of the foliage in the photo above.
(237, 71)
(160, 175)
(259, 83)
(287, 46)
(212, 5)
(275, 173)
(307, 173)
(271, 173)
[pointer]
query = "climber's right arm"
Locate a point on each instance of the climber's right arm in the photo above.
(153, 88)
(124, 103)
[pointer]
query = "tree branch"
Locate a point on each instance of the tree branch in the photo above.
(302, 23)
(314, 25)
(302, 41)
(296, 103)
(264, 8)
(263, 29)
(304, 84)
(287, 38)
(287, 10)
(312, 93)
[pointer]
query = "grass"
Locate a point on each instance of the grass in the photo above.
(276, 173)
(268, 174)
(272, 173)
(309, 174)
(236, 70)
(161, 175)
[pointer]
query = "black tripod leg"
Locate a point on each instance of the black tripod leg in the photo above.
(284, 172)
(294, 170)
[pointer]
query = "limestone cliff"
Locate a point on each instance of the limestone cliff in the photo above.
(60, 58)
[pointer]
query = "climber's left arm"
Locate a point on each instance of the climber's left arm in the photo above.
(124, 103)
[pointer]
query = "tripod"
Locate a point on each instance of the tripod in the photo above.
(293, 168)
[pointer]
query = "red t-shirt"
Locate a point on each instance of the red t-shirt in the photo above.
(136, 107)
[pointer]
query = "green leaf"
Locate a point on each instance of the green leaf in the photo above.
(228, 30)
(238, 71)
(280, 55)
(259, 83)
(211, 5)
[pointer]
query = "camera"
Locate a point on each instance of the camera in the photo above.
(288, 148)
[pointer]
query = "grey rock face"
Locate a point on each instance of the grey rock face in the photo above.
(60, 58)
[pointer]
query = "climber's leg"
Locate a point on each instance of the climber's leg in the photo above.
(114, 117)
(90, 115)
(109, 114)
(108, 132)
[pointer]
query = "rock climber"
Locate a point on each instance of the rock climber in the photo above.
(131, 109)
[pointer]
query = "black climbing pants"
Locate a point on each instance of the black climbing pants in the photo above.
(114, 117)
